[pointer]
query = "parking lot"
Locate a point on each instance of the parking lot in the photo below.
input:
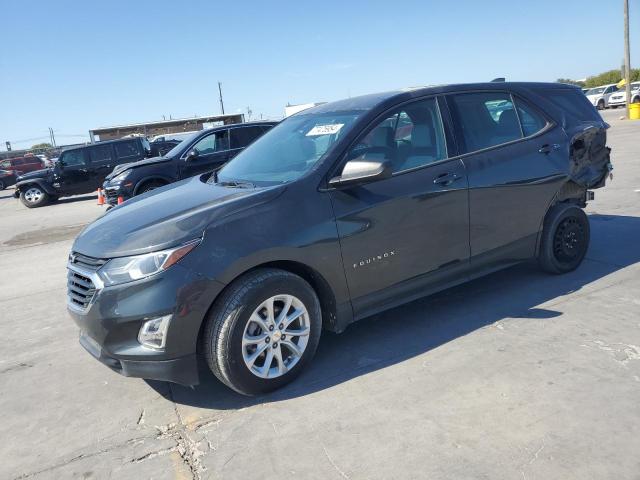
(516, 375)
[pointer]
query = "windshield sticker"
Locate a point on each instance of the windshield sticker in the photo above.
(325, 129)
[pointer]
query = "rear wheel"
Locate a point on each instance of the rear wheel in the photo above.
(2, 185)
(565, 239)
(34, 196)
(262, 331)
(600, 105)
(636, 100)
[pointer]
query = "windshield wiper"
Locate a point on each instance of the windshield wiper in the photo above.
(236, 184)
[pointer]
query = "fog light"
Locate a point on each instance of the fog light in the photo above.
(153, 333)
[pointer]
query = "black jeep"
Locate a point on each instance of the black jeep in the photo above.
(78, 170)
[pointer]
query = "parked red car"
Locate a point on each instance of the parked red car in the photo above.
(28, 163)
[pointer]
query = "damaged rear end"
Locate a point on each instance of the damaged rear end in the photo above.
(589, 156)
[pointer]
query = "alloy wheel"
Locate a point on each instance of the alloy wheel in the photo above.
(33, 195)
(276, 336)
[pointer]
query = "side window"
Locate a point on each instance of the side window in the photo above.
(485, 119)
(532, 122)
(73, 158)
(127, 150)
(243, 136)
(411, 137)
(100, 155)
(216, 142)
(5, 165)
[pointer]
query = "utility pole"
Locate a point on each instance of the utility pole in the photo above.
(220, 92)
(53, 137)
(627, 56)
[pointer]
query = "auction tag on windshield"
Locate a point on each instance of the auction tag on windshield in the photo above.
(325, 129)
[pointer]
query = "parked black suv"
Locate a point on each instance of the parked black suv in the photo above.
(337, 213)
(78, 170)
(201, 152)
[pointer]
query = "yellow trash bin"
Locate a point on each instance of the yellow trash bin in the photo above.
(634, 111)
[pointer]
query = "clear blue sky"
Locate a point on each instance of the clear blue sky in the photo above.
(73, 66)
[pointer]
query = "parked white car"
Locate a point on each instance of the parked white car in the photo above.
(618, 98)
(599, 96)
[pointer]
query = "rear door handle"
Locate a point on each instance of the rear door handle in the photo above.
(446, 179)
(546, 148)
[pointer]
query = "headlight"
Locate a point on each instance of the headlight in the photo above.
(127, 269)
(121, 176)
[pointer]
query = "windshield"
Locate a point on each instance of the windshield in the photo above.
(289, 150)
(596, 91)
(177, 150)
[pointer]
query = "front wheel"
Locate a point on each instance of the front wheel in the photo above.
(565, 239)
(34, 196)
(262, 331)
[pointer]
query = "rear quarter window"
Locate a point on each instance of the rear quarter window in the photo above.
(573, 103)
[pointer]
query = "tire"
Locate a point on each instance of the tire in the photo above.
(2, 185)
(565, 239)
(601, 105)
(34, 196)
(636, 100)
(147, 187)
(231, 318)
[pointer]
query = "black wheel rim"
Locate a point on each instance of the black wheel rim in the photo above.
(569, 240)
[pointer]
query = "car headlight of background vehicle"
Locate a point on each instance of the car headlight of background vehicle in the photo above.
(121, 176)
(127, 269)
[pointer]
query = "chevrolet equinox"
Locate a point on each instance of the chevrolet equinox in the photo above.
(338, 212)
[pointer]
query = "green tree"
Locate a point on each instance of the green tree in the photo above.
(570, 82)
(41, 146)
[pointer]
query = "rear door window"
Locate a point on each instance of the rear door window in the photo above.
(127, 150)
(573, 103)
(485, 119)
(101, 155)
(243, 136)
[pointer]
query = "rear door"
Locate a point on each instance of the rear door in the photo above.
(76, 177)
(514, 165)
(102, 161)
(212, 152)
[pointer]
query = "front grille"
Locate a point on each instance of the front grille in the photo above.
(80, 289)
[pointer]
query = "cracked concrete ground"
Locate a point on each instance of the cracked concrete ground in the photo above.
(517, 375)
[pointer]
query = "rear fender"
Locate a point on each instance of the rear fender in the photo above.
(590, 158)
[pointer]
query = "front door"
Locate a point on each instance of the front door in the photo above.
(211, 151)
(75, 175)
(399, 233)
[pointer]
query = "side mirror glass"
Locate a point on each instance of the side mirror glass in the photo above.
(192, 155)
(361, 170)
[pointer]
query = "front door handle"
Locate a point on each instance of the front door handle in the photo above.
(446, 179)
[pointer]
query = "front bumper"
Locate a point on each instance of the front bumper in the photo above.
(110, 323)
(113, 191)
(617, 103)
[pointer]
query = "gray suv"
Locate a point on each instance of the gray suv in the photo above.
(337, 213)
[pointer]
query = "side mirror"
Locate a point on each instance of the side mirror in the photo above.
(192, 155)
(362, 171)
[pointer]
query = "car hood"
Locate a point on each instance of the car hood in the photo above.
(126, 166)
(166, 217)
(44, 173)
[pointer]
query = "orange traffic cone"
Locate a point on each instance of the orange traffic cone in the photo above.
(100, 197)
(120, 200)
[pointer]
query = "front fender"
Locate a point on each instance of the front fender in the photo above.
(43, 184)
